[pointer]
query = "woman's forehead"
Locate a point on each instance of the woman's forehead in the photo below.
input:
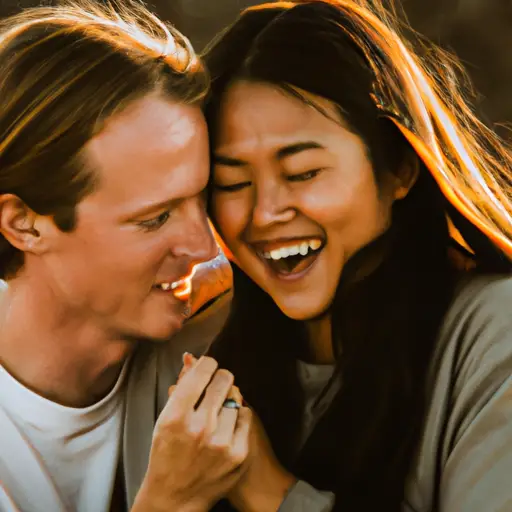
(252, 114)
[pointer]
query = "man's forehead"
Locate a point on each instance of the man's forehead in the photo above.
(146, 126)
(154, 148)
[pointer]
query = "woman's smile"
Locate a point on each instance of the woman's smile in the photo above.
(290, 259)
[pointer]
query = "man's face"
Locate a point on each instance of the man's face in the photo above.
(143, 227)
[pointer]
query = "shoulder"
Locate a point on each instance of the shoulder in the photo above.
(474, 348)
(485, 287)
(478, 324)
(472, 367)
(483, 293)
(467, 435)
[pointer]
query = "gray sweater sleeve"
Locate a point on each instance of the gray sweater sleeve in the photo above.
(302, 497)
(476, 453)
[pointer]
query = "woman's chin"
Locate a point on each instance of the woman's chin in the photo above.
(304, 312)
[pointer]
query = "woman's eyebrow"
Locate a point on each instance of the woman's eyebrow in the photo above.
(298, 147)
(281, 153)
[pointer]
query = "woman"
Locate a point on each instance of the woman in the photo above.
(375, 348)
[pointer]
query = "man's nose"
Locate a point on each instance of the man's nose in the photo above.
(198, 243)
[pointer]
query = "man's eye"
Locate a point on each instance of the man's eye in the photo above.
(304, 176)
(231, 188)
(155, 223)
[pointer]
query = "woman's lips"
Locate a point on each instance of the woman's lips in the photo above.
(294, 260)
(282, 247)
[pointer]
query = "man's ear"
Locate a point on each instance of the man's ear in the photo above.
(17, 224)
(406, 176)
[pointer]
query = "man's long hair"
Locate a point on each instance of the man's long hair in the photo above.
(64, 71)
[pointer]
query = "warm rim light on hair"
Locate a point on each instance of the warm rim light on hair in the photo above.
(454, 144)
(129, 21)
(455, 158)
(65, 70)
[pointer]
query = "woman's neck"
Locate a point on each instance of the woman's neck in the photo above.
(320, 348)
(362, 265)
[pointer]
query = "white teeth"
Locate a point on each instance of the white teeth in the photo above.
(168, 286)
(276, 255)
(293, 250)
(315, 244)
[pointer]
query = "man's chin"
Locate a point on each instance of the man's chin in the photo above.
(161, 335)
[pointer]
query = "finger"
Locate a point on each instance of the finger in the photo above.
(226, 423)
(236, 395)
(171, 390)
(216, 392)
(241, 436)
(188, 391)
(188, 359)
(188, 362)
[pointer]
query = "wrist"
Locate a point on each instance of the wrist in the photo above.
(146, 505)
(148, 501)
(270, 498)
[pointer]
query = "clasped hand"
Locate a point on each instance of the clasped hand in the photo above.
(203, 451)
(199, 447)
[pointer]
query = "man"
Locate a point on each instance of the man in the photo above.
(103, 164)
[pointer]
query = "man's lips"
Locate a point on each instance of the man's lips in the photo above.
(180, 288)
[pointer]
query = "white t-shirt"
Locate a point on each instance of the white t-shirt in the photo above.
(57, 458)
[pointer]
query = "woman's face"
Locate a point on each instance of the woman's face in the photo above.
(294, 194)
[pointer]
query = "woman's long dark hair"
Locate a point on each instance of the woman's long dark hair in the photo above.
(384, 327)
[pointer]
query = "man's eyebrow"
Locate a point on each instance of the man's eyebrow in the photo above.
(152, 207)
(165, 204)
(281, 153)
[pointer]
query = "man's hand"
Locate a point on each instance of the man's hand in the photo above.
(265, 483)
(198, 450)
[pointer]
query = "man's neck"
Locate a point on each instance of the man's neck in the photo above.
(58, 355)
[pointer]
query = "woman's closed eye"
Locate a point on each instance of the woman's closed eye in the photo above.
(232, 187)
(154, 223)
(304, 176)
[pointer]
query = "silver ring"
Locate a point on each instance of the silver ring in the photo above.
(229, 403)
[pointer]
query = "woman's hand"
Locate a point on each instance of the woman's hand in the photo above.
(198, 451)
(265, 483)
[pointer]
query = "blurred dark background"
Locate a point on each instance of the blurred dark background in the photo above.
(478, 31)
